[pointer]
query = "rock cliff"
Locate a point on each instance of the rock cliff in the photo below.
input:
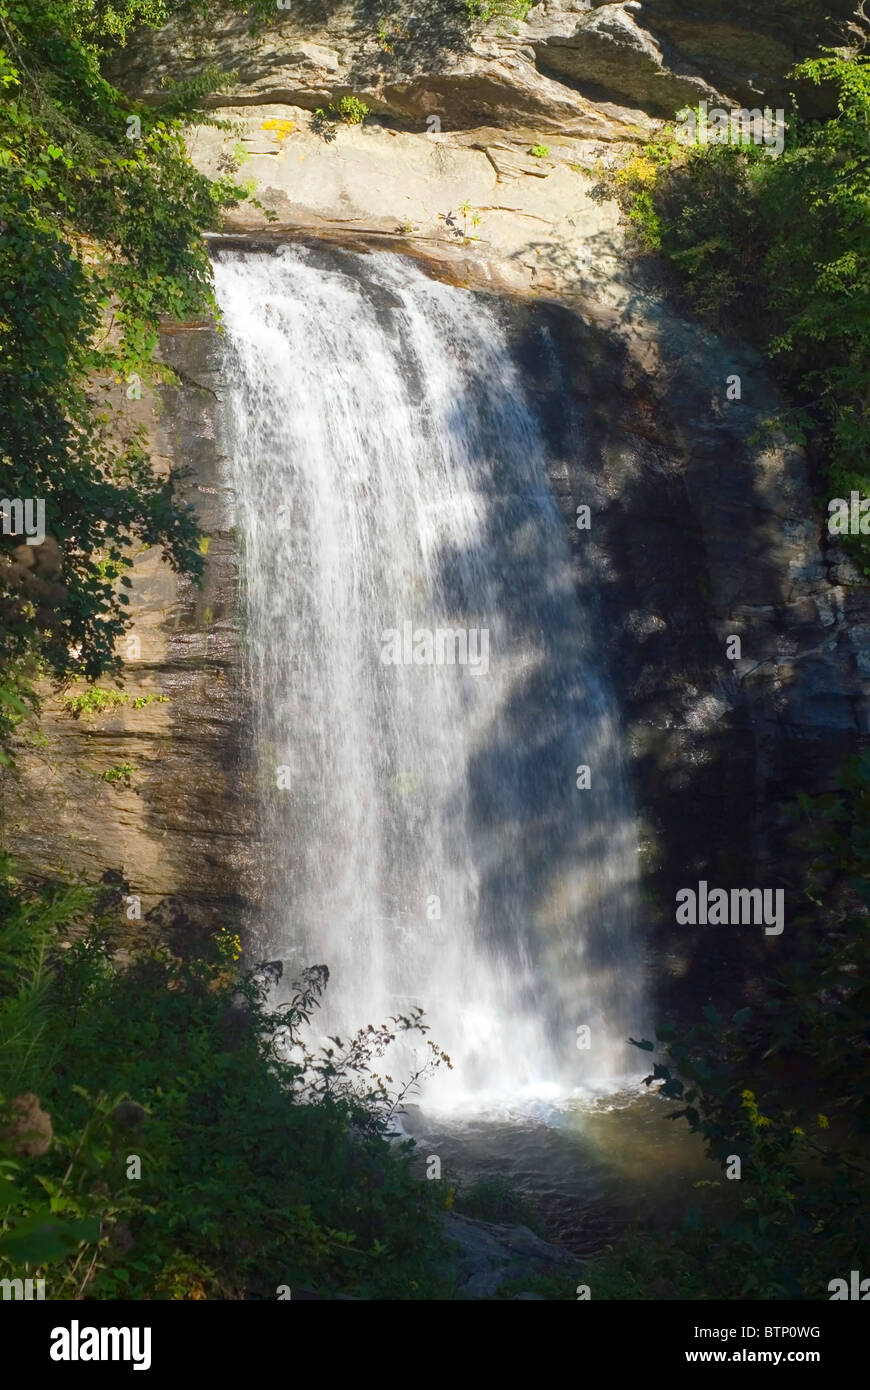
(702, 532)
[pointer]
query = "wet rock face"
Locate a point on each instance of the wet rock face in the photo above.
(700, 535)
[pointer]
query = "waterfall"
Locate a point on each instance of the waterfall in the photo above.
(423, 831)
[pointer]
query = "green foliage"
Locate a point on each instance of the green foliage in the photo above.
(484, 10)
(17, 703)
(494, 1198)
(118, 772)
(94, 701)
(29, 920)
(470, 218)
(101, 215)
(98, 699)
(783, 1085)
(350, 110)
(778, 249)
(389, 30)
(263, 1161)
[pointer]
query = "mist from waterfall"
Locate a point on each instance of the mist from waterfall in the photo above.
(423, 831)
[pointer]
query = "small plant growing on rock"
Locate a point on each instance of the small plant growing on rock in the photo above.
(94, 701)
(469, 218)
(97, 700)
(119, 772)
(388, 31)
(229, 944)
(540, 151)
(485, 10)
(350, 110)
(230, 163)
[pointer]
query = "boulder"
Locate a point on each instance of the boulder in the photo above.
(610, 52)
(490, 1256)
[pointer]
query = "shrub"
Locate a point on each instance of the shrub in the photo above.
(262, 1161)
(781, 1085)
(778, 249)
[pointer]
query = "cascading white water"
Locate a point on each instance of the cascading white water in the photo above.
(423, 829)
